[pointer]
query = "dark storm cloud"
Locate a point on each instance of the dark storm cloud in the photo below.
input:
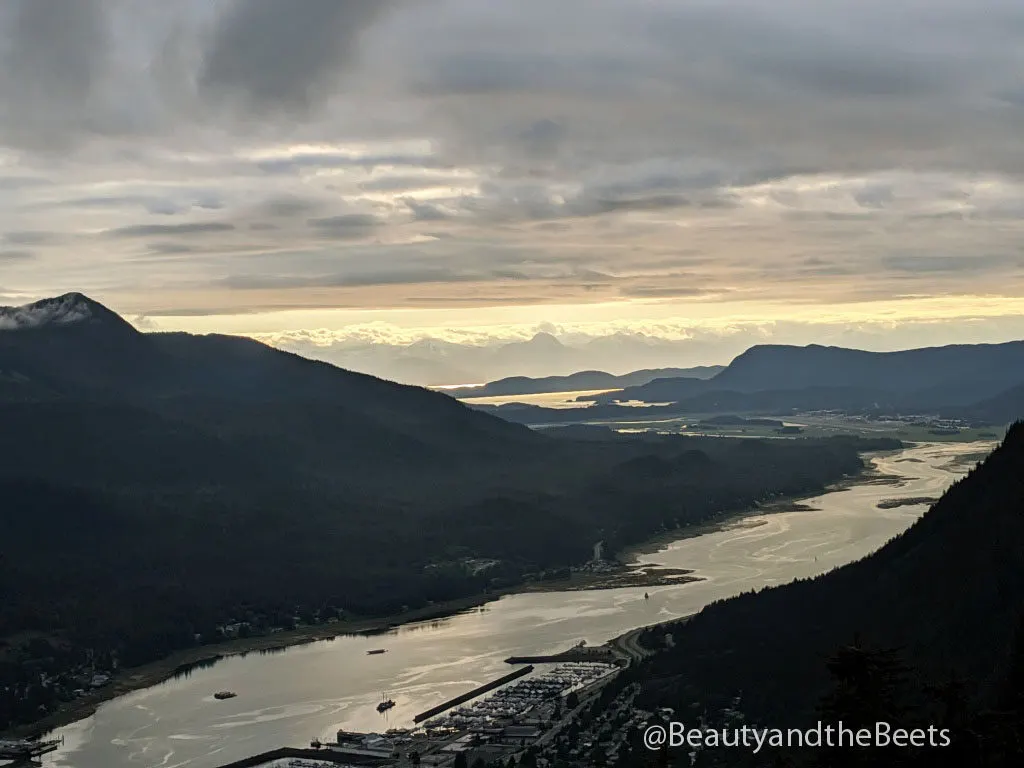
(831, 127)
(599, 205)
(15, 183)
(277, 54)
(155, 205)
(171, 249)
(30, 238)
(853, 76)
(52, 55)
(348, 280)
(407, 183)
(663, 291)
(542, 140)
(876, 196)
(158, 230)
(470, 74)
(16, 255)
(829, 86)
(510, 201)
(346, 226)
(314, 160)
(288, 207)
(425, 211)
(937, 264)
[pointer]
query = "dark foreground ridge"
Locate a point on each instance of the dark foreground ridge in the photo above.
(928, 630)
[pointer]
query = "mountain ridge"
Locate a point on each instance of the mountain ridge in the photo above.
(949, 376)
(949, 592)
(580, 380)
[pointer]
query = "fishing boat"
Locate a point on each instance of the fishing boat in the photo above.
(376, 651)
(385, 704)
(224, 695)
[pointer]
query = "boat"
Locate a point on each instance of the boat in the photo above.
(385, 704)
(376, 651)
(224, 695)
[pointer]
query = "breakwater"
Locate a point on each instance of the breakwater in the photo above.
(320, 755)
(426, 715)
(602, 653)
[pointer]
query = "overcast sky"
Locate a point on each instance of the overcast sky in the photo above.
(337, 173)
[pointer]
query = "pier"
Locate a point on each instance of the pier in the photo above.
(602, 653)
(320, 755)
(472, 694)
(27, 750)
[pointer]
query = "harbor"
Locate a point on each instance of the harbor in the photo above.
(313, 690)
(27, 751)
(472, 694)
(603, 653)
(523, 710)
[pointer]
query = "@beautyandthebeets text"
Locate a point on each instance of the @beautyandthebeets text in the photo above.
(881, 734)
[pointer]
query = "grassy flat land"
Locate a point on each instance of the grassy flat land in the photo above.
(812, 427)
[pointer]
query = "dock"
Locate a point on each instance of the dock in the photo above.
(462, 699)
(602, 653)
(27, 749)
(321, 755)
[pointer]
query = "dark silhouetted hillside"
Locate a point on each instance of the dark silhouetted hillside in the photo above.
(1002, 408)
(172, 483)
(582, 380)
(955, 381)
(905, 372)
(948, 593)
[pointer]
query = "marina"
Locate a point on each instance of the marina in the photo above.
(523, 709)
(472, 694)
(532, 698)
(27, 751)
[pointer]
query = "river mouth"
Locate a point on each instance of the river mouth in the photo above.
(312, 690)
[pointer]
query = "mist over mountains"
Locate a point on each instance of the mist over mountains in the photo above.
(452, 357)
(439, 362)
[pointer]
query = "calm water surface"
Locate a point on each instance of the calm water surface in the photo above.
(545, 399)
(287, 698)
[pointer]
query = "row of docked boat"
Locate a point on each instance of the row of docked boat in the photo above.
(518, 699)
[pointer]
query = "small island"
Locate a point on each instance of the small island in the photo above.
(605, 574)
(911, 501)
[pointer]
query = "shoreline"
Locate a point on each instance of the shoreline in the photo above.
(630, 556)
(183, 661)
(180, 662)
(158, 672)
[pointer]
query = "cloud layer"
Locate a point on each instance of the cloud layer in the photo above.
(196, 158)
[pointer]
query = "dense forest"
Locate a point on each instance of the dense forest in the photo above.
(156, 489)
(926, 630)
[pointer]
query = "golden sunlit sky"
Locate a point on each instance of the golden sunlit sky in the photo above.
(418, 188)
